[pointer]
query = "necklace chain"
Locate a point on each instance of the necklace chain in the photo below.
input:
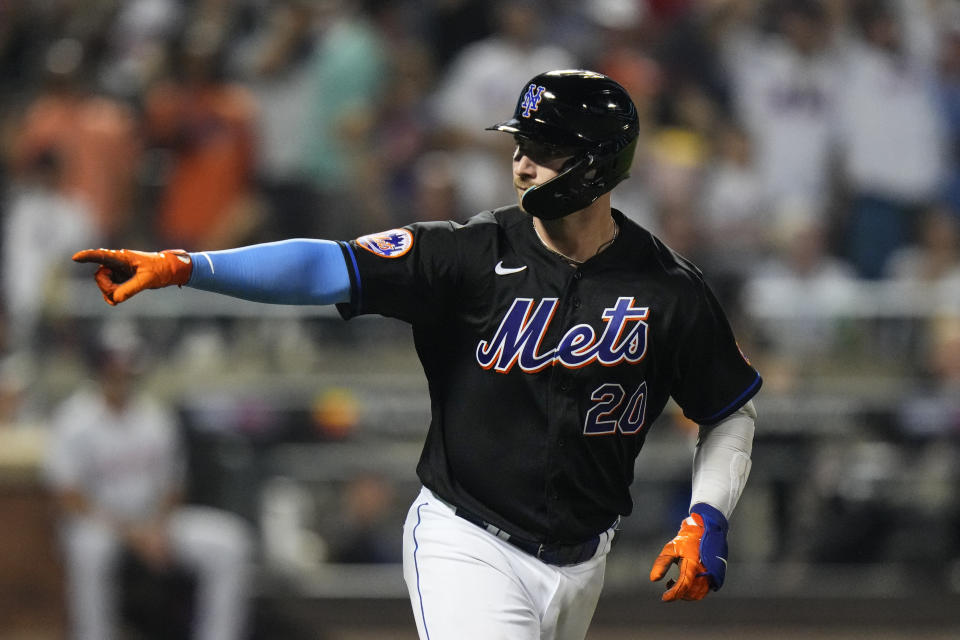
(616, 234)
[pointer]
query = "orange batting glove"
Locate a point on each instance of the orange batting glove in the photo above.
(700, 548)
(124, 273)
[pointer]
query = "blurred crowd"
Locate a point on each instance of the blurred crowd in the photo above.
(787, 145)
(780, 137)
(801, 152)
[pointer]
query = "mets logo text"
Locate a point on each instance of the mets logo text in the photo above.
(531, 99)
(519, 338)
(387, 244)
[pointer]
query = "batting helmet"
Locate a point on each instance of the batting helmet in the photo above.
(587, 116)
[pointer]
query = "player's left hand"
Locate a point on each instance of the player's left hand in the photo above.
(700, 548)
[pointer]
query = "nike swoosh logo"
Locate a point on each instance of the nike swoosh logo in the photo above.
(501, 270)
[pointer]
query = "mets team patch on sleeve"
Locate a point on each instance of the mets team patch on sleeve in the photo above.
(387, 244)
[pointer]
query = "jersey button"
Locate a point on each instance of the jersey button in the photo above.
(576, 303)
(578, 274)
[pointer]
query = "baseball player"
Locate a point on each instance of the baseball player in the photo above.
(552, 335)
(116, 466)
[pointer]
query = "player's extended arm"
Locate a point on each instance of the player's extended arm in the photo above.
(301, 271)
(721, 466)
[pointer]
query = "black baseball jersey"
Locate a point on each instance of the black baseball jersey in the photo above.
(544, 378)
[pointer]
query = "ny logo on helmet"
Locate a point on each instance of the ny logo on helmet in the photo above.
(531, 99)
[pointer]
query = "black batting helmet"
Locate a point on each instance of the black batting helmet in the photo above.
(587, 116)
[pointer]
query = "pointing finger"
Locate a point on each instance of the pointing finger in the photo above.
(106, 257)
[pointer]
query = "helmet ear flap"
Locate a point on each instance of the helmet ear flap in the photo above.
(564, 193)
(584, 179)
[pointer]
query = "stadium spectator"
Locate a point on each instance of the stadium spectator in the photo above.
(948, 93)
(435, 195)
(933, 259)
(135, 45)
(41, 222)
(274, 63)
(403, 135)
(733, 209)
(784, 83)
(117, 470)
(676, 160)
(803, 286)
(206, 124)
(94, 138)
(347, 79)
(934, 412)
(892, 151)
(448, 27)
(480, 81)
(620, 47)
(17, 408)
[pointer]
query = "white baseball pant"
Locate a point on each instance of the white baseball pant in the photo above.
(467, 584)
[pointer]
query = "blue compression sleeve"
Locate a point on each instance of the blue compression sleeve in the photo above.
(297, 271)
